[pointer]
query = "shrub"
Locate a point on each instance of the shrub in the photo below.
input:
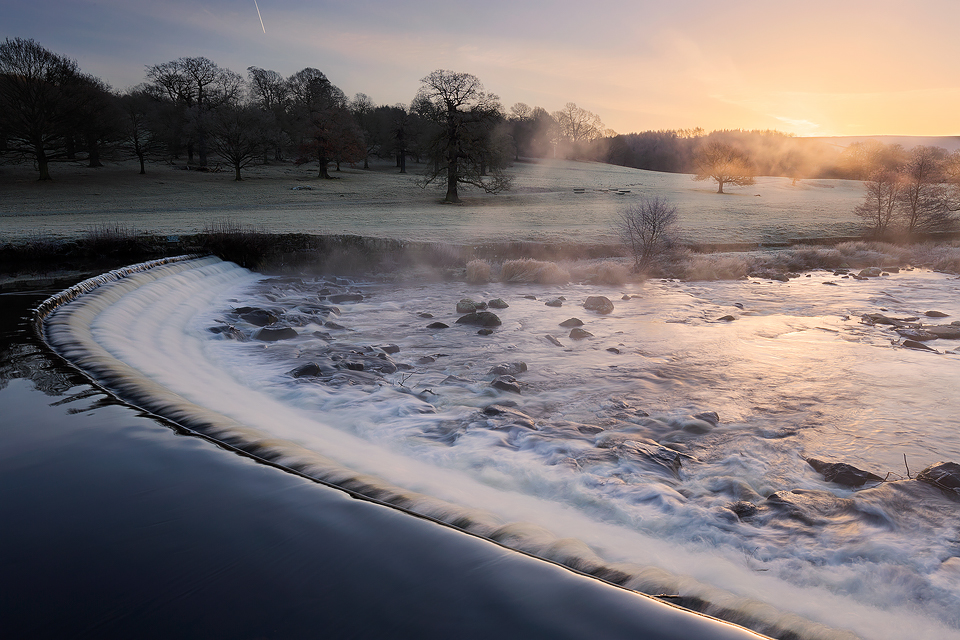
(527, 270)
(648, 229)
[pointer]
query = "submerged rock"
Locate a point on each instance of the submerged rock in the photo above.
(549, 338)
(572, 322)
(556, 302)
(258, 317)
(579, 334)
(843, 473)
(498, 303)
(466, 305)
(936, 314)
(338, 298)
(600, 304)
(268, 334)
(945, 331)
(870, 272)
(438, 325)
(480, 318)
(916, 334)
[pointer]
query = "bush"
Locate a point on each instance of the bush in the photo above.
(648, 229)
(478, 271)
(527, 270)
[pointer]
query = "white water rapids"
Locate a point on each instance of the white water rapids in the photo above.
(605, 464)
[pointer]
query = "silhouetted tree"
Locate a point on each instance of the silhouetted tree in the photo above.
(723, 163)
(138, 125)
(324, 126)
(648, 229)
(464, 149)
(271, 93)
(38, 100)
(239, 134)
(196, 86)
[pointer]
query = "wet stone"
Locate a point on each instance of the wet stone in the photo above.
(936, 314)
(268, 334)
(553, 340)
(572, 322)
(843, 473)
(485, 332)
(945, 475)
(480, 318)
(599, 304)
(438, 325)
(579, 334)
(339, 298)
(498, 303)
(259, 317)
(508, 368)
(506, 383)
(556, 302)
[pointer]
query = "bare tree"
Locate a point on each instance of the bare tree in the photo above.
(578, 125)
(270, 91)
(325, 128)
(138, 125)
(879, 207)
(464, 148)
(648, 229)
(724, 163)
(239, 134)
(38, 105)
(924, 203)
(197, 86)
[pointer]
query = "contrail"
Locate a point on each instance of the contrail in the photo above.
(259, 16)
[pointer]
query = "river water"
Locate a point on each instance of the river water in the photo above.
(667, 451)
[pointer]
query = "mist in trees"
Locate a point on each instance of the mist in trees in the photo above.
(724, 164)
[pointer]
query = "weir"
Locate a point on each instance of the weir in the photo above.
(120, 308)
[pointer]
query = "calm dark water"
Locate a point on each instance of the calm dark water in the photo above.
(116, 525)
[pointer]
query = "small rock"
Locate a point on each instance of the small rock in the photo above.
(529, 297)
(556, 302)
(832, 284)
(338, 298)
(389, 348)
(945, 331)
(624, 297)
(426, 360)
(936, 314)
(870, 272)
(579, 334)
(743, 509)
(506, 383)
(613, 350)
(498, 303)
(913, 344)
(304, 370)
(259, 317)
(466, 305)
(508, 368)
(425, 314)
(484, 332)
(600, 304)
(268, 334)
(916, 334)
(843, 473)
(945, 475)
(726, 318)
(480, 318)
(553, 340)
(438, 325)
(572, 322)
(333, 325)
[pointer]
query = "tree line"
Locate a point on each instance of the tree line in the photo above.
(192, 109)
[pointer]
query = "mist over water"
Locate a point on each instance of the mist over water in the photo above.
(653, 446)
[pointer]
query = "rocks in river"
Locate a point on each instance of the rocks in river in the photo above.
(339, 298)
(310, 369)
(599, 304)
(811, 507)
(843, 473)
(572, 322)
(508, 368)
(549, 338)
(485, 332)
(466, 305)
(257, 317)
(229, 331)
(945, 475)
(936, 314)
(579, 334)
(269, 334)
(870, 272)
(481, 319)
(945, 331)
(333, 325)
(913, 344)
(743, 509)
(438, 325)
(708, 416)
(726, 318)
(498, 303)
(556, 302)
(509, 417)
(425, 314)
(919, 335)
(506, 383)
(389, 348)
(879, 318)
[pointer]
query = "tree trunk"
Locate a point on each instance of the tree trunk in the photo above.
(323, 169)
(720, 186)
(236, 166)
(42, 163)
(143, 168)
(402, 162)
(93, 152)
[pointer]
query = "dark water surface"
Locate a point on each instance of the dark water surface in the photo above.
(116, 525)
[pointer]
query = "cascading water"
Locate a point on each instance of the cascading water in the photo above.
(666, 451)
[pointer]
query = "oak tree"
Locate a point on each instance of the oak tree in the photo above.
(724, 163)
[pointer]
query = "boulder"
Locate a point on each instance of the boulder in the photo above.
(870, 272)
(936, 314)
(916, 334)
(480, 319)
(438, 325)
(843, 473)
(556, 302)
(579, 334)
(305, 370)
(572, 322)
(600, 304)
(268, 334)
(498, 303)
(945, 475)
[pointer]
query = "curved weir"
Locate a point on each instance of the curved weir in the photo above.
(145, 334)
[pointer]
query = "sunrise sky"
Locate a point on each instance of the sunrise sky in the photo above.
(818, 67)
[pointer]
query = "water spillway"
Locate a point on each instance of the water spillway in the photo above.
(645, 454)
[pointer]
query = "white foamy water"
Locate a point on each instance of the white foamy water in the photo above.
(614, 459)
